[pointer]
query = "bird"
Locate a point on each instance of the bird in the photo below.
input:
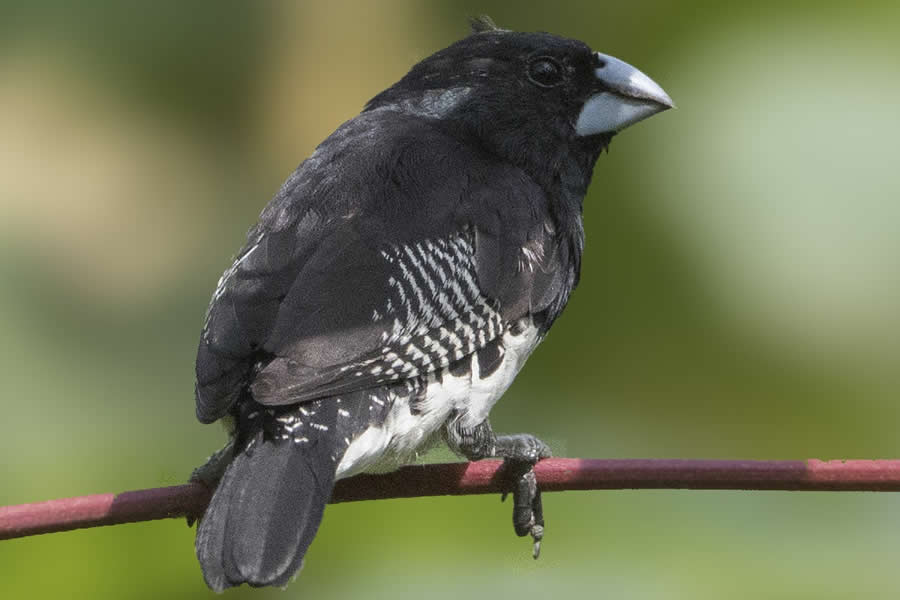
(396, 284)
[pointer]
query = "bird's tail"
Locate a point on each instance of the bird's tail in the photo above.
(266, 510)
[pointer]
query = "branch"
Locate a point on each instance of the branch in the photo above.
(483, 477)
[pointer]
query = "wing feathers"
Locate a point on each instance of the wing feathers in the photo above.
(433, 314)
(413, 261)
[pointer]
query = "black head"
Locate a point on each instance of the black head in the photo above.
(531, 98)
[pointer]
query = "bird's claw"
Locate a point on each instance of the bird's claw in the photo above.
(522, 447)
(520, 452)
(209, 473)
(528, 510)
(537, 533)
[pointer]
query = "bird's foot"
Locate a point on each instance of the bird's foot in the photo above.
(521, 452)
(210, 472)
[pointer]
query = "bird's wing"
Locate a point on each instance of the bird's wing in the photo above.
(330, 301)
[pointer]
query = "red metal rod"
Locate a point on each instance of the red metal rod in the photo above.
(483, 477)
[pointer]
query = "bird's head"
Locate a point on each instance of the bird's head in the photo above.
(532, 98)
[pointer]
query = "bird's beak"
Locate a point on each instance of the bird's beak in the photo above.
(627, 96)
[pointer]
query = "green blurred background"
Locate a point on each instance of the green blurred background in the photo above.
(740, 291)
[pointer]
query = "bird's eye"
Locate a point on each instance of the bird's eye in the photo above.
(545, 72)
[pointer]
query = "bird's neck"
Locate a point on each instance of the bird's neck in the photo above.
(566, 186)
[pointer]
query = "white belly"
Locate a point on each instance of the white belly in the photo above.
(405, 432)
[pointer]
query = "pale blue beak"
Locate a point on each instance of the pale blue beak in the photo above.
(629, 96)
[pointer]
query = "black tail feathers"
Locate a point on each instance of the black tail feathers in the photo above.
(266, 511)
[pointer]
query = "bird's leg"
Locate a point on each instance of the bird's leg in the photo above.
(520, 452)
(210, 472)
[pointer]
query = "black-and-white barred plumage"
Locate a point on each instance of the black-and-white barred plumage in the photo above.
(435, 313)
